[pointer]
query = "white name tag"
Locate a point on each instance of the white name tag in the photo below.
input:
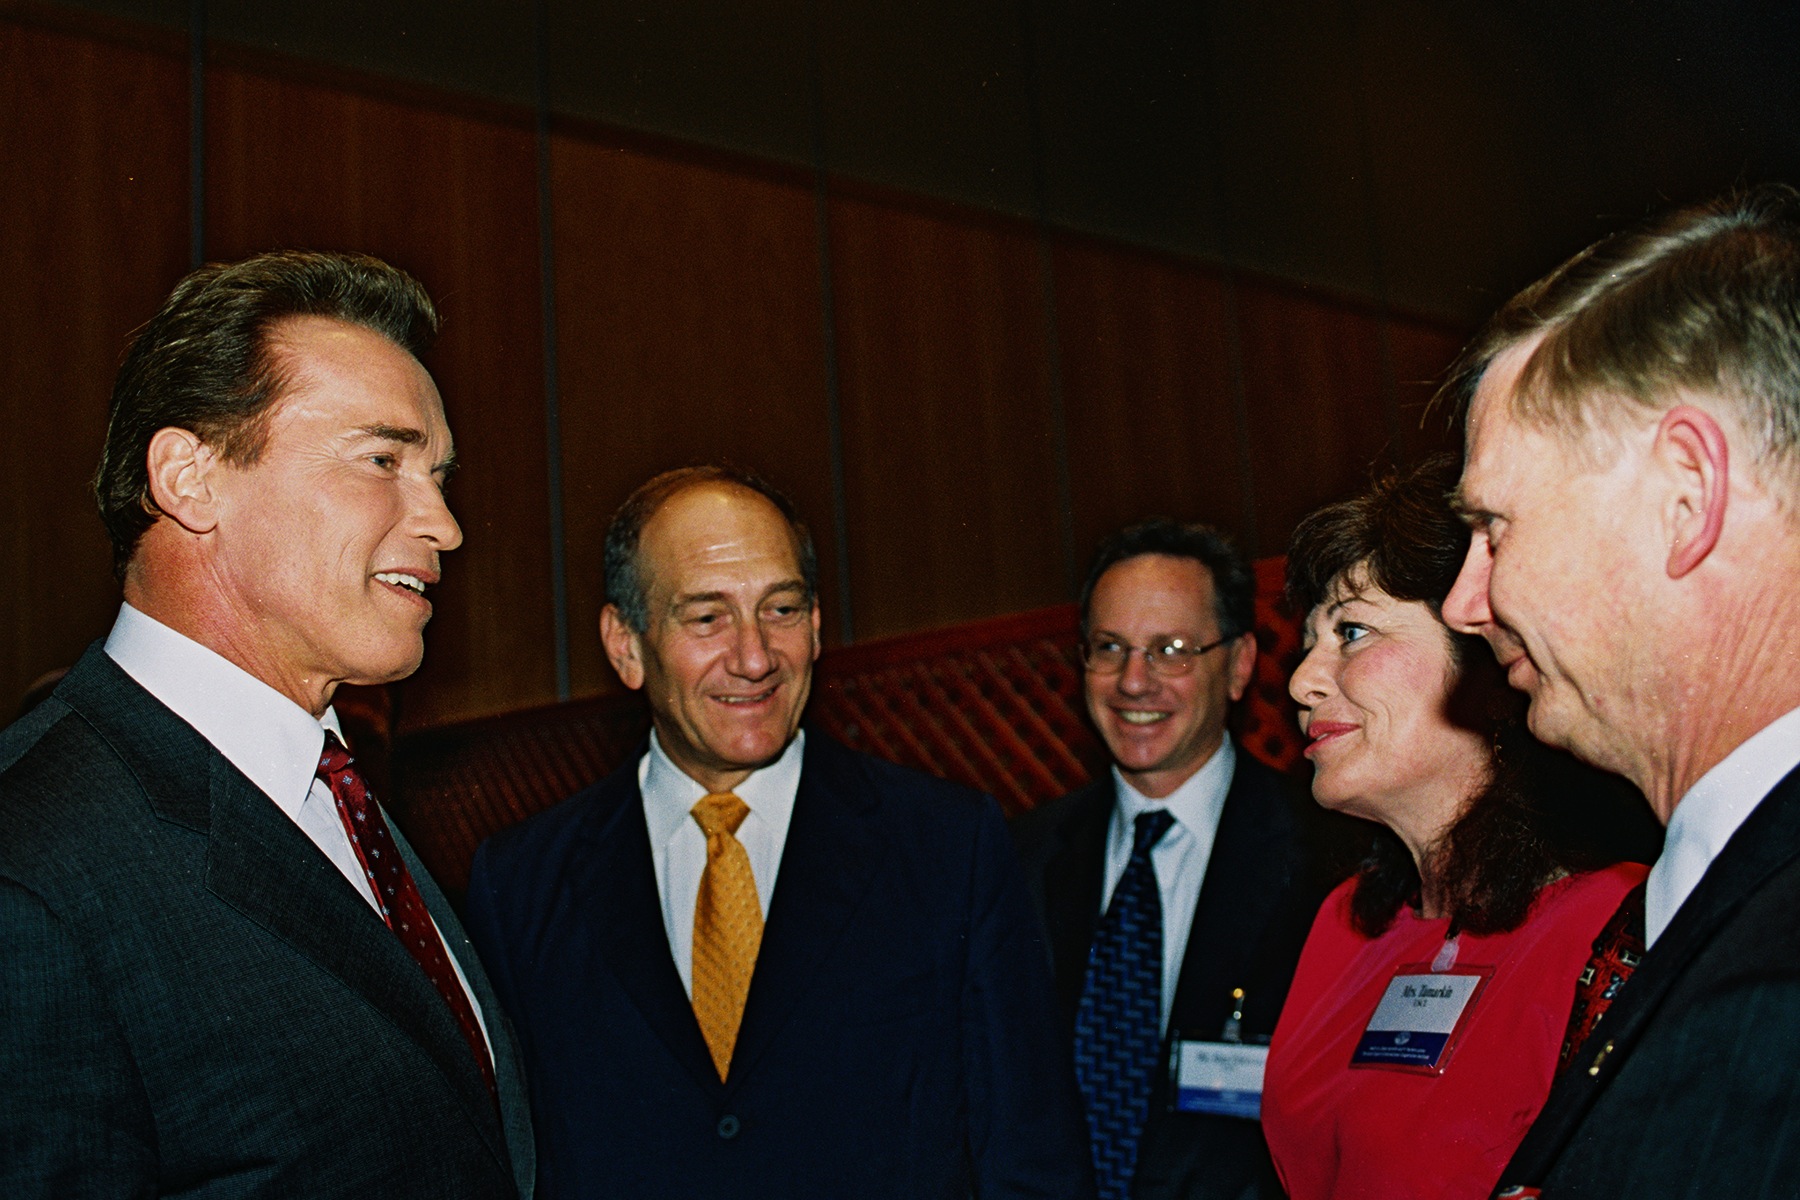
(1221, 1078)
(1416, 1025)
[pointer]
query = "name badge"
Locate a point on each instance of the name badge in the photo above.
(1221, 1078)
(1420, 1017)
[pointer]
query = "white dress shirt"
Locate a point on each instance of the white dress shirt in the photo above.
(272, 740)
(1181, 856)
(1711, 811)
(678, 847)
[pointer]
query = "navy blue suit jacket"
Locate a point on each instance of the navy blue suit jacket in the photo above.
(899, 1038)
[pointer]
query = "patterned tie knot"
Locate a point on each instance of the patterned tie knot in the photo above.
(1148, 830)
(720, 813)
(334, 757)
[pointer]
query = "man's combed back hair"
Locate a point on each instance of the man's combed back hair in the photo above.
(1704, 299)
(204, 363)
(627, 588)
(1234, 587)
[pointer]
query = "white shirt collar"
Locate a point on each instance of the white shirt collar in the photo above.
(272, 740)
(1711, 811)
(670, 793)
(1195, 805)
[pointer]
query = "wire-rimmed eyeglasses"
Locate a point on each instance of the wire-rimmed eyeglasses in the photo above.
(1165, 655)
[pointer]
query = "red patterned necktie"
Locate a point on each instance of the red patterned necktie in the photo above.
(401, 905)
(1617, 951)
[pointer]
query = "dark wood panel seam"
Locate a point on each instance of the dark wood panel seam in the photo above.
(196, 133)
(1059, 421)
(834, 411)
(553, 452)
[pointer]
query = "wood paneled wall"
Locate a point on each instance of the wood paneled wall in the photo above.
(950, 461)
(93, 230)
(689, 315)
(972, 399)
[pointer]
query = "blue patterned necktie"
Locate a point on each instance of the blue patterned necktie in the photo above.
(1118, 1026)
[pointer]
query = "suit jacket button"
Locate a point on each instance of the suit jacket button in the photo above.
(728, 1126)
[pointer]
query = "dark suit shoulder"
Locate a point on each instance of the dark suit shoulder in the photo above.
(830, 756)
(912, 808)
(551, 833)
(66, 797)
(23, 735)
(1277, 795)
(1038, 832)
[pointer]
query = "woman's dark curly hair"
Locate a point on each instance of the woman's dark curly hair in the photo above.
(1542, 814)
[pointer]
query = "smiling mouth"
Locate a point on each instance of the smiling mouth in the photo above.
(1320, 732)
(747, 701)
(1137, 716)
(404, 580)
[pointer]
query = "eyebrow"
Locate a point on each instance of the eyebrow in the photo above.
(406, 435)
(786, 585)
(1469, 514)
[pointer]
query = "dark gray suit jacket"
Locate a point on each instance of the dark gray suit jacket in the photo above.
(1690, 1086)
(195, 1002)
(1255, 907)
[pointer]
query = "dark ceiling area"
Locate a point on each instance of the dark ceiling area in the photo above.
(1431, 157)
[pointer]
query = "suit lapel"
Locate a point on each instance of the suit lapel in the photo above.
(1768, 840)
(509, 1079)
(1232, 909)
(1074, 876)
(262, 865)
(833, 851)
(615, 880)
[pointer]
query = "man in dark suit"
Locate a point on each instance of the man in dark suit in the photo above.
(1631, 480)
(1166, 618)
(886, 1031)
(221, 974)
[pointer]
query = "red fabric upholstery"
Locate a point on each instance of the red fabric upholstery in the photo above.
(994, 704)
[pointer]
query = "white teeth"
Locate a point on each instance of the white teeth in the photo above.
(1142, 718)
(405, 581)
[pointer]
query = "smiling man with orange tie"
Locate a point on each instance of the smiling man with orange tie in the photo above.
(751, 962)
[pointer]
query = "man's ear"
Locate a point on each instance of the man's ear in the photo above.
(1242, 666)
(817, 644)
(1692, 449)
(624, 647)
(182, 472)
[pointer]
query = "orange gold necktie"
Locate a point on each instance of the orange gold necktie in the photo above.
(728, 925)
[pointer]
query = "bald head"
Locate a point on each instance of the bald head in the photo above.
(626, 582)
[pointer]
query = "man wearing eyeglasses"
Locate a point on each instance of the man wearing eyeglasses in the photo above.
(1173, 888)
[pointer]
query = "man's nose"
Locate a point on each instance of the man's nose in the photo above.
(433, 519)
(750, 657)
(1135, 676)
(1466, 607)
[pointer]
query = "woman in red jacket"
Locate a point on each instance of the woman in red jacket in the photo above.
(1433, 997)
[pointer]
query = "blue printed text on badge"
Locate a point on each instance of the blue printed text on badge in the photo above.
(1417, 1020)
(1221, 1078)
